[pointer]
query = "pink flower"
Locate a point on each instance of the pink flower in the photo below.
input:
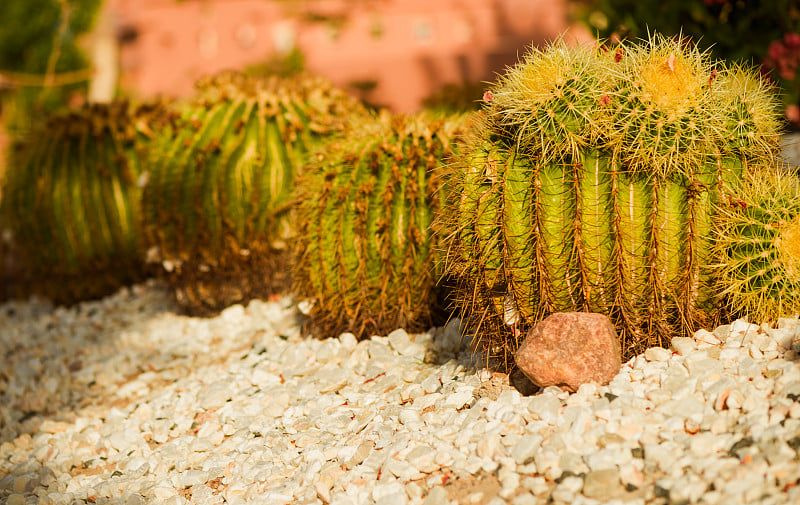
(784, 58)
(488, 96)
(775, 50)
(792, 40)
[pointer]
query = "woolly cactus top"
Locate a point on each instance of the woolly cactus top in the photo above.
(303, 101)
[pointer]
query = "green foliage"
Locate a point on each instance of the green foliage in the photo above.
(29, 34)
(221, 180)
(366, 252)
(71, 199)
(749, 32)
(33, 35)
(592, 184)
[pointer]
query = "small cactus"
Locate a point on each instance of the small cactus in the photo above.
(758, 245)
(221, 180)
(592, 184)
(366, 253)
(71, 200)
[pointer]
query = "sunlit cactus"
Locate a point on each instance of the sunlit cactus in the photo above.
(72, 201)
(366, 251)
(220, 184)
(610, 207)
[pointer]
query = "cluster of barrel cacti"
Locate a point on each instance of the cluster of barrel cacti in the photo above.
(635, 180)
(601, 179)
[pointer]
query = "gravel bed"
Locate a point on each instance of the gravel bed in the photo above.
(790, 149)
(122, 401)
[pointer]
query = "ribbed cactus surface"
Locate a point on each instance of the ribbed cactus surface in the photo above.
(221, 180)
(592, 184)
(366, 252)
(72, 201)
(758, 243)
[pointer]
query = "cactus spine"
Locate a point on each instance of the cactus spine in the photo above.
(73, 204)
(366, 251)
(221, 182)
(592, 184)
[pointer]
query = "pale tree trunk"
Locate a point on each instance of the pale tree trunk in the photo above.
(104, 52)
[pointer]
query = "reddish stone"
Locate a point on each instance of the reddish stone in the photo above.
(568, 349)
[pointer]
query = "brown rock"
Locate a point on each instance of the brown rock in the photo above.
(568, 349)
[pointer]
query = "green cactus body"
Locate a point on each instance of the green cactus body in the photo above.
(72, 201)
(613, 210)
(221, 183)
(366, 255)
(596, 247)
(589, 236)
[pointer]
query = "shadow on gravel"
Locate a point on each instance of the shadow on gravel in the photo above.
(56, 362)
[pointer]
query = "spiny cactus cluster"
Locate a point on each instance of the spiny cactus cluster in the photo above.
(366, 250)
(72, 200)
(594, 183)
(636, 181)
(221, 180)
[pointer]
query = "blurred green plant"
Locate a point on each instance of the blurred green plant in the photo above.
(41, 62)
(761, 33)
(289, 64)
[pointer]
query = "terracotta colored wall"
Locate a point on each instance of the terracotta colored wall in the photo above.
(409, 48)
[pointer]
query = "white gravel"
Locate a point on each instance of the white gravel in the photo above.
(790, 149)
(122, 401)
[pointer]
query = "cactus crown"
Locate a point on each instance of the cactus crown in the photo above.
(664, 116)
(751, 126)
(671, 80)
(547, 103)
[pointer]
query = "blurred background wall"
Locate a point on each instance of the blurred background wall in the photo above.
(394, 53)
